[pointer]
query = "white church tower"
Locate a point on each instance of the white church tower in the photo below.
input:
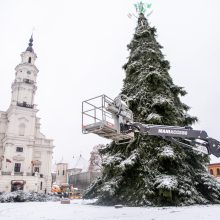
(25, 153)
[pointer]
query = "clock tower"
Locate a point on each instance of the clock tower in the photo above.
(25, 153)
(24, 85)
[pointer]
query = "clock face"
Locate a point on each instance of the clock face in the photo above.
(28, 72)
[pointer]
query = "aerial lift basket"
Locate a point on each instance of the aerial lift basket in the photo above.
(102, 116)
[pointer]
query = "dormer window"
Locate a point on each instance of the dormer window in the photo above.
(29, 60)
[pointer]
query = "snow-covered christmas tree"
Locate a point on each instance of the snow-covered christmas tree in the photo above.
(150, 170)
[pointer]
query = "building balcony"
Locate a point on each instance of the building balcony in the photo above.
(35, 174)
(24, 104)
(42, 141)
(28, 81)
(27, 174)
(18, 173)
(6, 173)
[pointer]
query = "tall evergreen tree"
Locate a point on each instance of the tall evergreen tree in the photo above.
(150, 170)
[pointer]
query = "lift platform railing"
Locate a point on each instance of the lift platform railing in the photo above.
(95, 114)
(99, 116)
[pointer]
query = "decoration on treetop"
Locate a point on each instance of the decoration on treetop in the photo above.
(142, 7)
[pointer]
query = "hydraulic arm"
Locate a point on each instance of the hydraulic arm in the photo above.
(176, 134)
(113, 119)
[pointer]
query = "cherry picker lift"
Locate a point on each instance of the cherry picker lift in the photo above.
(112, 119)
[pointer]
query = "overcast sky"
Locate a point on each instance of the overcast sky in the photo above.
(81, 47)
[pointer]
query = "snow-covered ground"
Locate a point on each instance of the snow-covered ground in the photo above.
(81, 210)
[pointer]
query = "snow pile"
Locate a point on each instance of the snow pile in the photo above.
(21, 196)
(83, 210)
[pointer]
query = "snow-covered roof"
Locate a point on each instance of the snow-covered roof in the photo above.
(80, 162)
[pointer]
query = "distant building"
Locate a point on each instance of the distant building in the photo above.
(83, 180)
(85, 177)
(79, 165)
(214, 169)
(61, 173)
(25, 153)
(81, 174)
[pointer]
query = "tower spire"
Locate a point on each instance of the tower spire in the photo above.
(30, 48)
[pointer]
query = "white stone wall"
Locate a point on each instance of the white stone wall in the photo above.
(19, 115)
(3, 122)
(33, 183)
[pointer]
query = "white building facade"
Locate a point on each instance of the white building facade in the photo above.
(25, 153)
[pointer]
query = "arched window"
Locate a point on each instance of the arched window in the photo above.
(22, 129)
(29, 60)
(211, 171)
(218, 171)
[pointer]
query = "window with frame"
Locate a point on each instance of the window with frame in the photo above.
(21, 129)
(19, 149)
(17, 168)
(63, 172)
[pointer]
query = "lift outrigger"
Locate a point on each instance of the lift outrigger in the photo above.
(112, 119)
